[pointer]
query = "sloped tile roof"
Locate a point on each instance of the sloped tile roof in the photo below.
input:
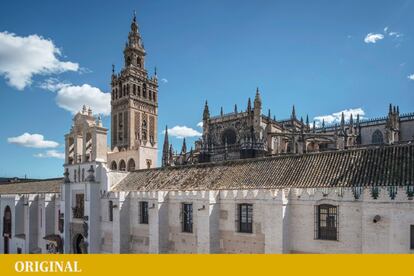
(32, 187)
(384, 165)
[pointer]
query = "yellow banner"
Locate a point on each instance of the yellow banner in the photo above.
(211, 265)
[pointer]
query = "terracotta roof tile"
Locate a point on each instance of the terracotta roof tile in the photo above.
(382, 165)
(32, 187)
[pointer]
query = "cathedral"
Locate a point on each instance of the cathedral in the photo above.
(251, 184)
(250, 134)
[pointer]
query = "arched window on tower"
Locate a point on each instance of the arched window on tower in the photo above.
(131, 165)
(139, 62)
(122, 165)
(377, 137)
(144, 130)
(134, 89)
(113, 166)
(144, 91)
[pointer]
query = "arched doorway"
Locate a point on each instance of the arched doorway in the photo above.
(79, 245)
(7, 228)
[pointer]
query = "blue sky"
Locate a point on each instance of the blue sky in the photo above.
(322, 56)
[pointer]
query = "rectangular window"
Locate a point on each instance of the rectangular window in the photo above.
(111, 210)
(245, 218)
(187, 217)
(411, 236)
(327, 222)
(143, 212)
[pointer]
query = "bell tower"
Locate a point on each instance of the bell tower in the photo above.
(134, 109)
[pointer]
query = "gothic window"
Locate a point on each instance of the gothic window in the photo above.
(7, 222)
(187, 217)
(83, 174)
(113, 166)
(377, 137)
(139, 91)
(326, 222)
(124, 94)
(113, 94)
(150, 95)
(122, 165)
(74, 175)
(154, 96)
(131, 165)
(128, 89)
(111, 210)
(143, 212)
(229, 136)
(138, 62)
(134, 89)
(128, 61)
(245, 218)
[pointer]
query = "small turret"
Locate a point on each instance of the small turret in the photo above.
(184, 148)
(249, 106)
(293, 115)
(165, 149)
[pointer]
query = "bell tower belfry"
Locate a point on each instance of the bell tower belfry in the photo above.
(134, 109)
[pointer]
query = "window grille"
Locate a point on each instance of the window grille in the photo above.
(245, 218)
(187, 217)
(326, 222)
(143, 212)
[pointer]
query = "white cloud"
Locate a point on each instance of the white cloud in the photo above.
(395, 34)
(32, 141)
(72, 98)
(53, 84)
(183, 131)
(164, 80)
(411, 77)
(200, 124)
(23, 57)
(373, 38)
(336, 117)
(51, 154)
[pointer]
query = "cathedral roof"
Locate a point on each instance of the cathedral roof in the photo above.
(33, 187)
(382, 166)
